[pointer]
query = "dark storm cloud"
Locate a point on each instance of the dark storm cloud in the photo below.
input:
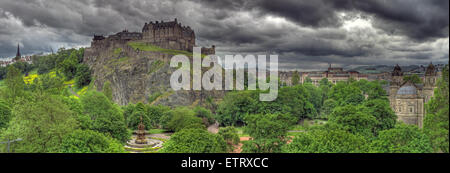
(417, 19)
(41, 25)
(300, 31)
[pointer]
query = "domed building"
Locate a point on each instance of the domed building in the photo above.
(408, 99)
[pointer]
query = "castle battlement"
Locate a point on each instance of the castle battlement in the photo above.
(168, 35)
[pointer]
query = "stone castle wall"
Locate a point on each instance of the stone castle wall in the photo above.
(167, 35)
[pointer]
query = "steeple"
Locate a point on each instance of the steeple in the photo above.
(431, 70)
(18, 52)
(397, 71)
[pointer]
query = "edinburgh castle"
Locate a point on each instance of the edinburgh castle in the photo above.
(137, 64)
(167, 35)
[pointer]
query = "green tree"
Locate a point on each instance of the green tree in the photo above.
(382, 112)
(5, 114)
(49, 84)
(235, 106)
(183, 117)
(314, 95)
(193, 140)
(229, 134)
(325, 86)
(436, 123)
(88, 141)
(41, 121)
(23, 67)
(402, 139)
(295, 78)
(205, 115)
(155, 113)
(210, 104)
(83, 75)
(128, 110)
(327, 141)
(291, 100)
(3, 71)
(308, 80)
(74, 104)
(376, 91)
(107, 90)
(106, 116)
(345, 94)
(328, 106)
(325, 83)
(354, 119)
(45, 64)
(268, 132)
(14, 84)
(134, 118)
(69, 66)
(413, 78)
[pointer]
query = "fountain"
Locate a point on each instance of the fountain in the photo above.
(141, 143)
(141, 139)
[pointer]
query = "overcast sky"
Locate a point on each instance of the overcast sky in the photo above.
(306, 34)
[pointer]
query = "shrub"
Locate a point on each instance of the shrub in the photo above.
(193, 140)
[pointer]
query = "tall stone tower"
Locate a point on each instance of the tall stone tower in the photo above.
(429, 82)
(397, 79)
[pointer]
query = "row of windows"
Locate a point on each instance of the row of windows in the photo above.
(408, 110)
(334, 81)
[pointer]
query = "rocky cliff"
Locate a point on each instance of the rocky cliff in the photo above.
(140, 75)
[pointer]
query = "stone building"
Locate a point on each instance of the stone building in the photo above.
(408, 99)
(167, 35)
(333, 74)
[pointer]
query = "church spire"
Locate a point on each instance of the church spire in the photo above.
(18, 52)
